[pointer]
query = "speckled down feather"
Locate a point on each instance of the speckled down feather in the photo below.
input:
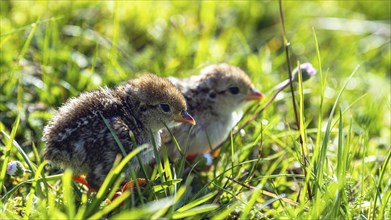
(212, 105)
(77, 137)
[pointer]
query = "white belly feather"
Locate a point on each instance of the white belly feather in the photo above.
(212, 132)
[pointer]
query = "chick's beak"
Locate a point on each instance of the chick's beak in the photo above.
(254, 95)
(185, 117)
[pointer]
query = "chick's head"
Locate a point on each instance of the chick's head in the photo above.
(159, 102)
(229, 87)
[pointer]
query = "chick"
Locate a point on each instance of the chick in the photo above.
(216, 98)
(77, 137)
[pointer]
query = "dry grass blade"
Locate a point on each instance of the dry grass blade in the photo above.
(266, 193)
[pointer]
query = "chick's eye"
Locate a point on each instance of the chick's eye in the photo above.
(234, 90)
(165, 107)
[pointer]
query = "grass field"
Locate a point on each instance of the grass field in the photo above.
(336, 166)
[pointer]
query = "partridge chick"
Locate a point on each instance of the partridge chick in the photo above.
(216, 98)
(77, 137)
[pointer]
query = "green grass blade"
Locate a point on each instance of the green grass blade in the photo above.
(20, 29)
(322, 91)
(29, 203)
(159, 165)
(163, 209)
(250, 204)
(379, 184)
(197, 202)
(303, 137)
(21, 151)
(114, 204)
(175, 141)
(183, 160)
(195, 211)
(321, 160)
(28, 41)
(46, 59)
(123, 151)
(227, 170)
(146, 211)
(386, 205)
(348, 108)
(319, 133)
(15, 188)
(232, 152)
(8, 151)
(36, 154)
(340, 172)
(167, 169)
(114, 134)
(226, 211)
(113, 174)
(68, 198)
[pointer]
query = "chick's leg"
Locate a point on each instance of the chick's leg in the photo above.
(82, 180)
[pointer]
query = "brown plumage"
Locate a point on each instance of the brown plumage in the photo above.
(77, 137)
(216, 98)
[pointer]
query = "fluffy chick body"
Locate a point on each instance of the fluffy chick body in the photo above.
(216, 98)
(78, 138)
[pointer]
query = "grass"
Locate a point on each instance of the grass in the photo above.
(333, 161)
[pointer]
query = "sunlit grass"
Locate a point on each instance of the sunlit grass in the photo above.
(53, 51)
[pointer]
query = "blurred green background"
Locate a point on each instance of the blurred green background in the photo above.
(53, 50)
(73, 46)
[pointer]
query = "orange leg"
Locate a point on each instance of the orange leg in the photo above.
(82, 180)
(131, 185)
(215, 152)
